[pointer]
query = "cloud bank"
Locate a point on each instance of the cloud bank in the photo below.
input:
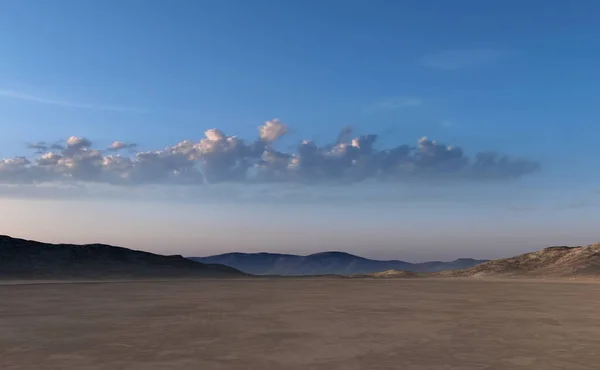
(218, 158)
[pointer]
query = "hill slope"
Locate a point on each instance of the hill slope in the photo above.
(392, 274)
(548, 262)
(25, 259)
(324, 263)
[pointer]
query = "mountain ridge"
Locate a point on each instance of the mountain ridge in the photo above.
(29, 259)
(324, 263)
(554, 261)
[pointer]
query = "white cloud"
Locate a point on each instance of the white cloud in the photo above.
(120, 145)
(272, 130)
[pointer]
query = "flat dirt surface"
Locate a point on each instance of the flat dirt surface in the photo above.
(303, 324)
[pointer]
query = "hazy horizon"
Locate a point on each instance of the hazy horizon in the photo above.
(387, 130)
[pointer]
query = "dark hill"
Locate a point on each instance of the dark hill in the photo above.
(25, 259)
(324, 263)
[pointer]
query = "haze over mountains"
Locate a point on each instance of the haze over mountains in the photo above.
(26, 259)
(325, 263)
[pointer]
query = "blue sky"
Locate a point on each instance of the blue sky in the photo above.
(517, 78)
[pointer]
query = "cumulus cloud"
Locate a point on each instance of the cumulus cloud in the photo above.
(219, 158)
(120, 145)
(42, 147)
(272, 130)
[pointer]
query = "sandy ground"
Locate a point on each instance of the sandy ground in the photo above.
(301, 324)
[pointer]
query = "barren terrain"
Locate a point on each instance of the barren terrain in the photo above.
(551, 262)
(300, 324)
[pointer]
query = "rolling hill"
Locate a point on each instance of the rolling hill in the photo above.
(392, 274)
(325, 263)
(551, 262)
(25, 259)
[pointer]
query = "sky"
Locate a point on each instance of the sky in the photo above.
(413, 130)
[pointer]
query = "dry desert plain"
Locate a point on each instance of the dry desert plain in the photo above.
(309, 323)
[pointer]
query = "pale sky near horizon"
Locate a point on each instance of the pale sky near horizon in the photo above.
(415, 130)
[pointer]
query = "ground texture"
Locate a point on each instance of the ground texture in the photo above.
(262, 324)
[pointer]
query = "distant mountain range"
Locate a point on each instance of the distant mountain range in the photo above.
(325, 263)
(549, 262)
(25, 259)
